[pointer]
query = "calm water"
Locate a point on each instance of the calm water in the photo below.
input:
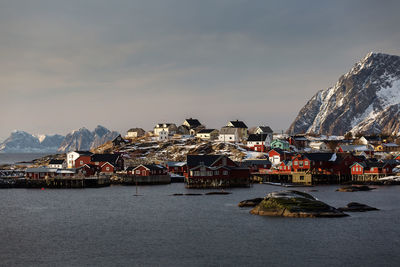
(10, 158)
(112, 227)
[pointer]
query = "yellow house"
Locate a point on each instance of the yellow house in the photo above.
(302, 178)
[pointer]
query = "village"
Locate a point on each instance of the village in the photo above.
(233, 156)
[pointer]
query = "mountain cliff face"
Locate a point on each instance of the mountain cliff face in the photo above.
(23, 142)
(82, 139)
(366, 100)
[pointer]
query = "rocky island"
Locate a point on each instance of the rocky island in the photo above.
(294, 204)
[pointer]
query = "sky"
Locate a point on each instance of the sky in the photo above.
(122, 64)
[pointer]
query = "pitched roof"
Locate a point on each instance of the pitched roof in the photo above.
(207, 160)
(56, 161)
(193, 122)
(206, 131)
(228, 130)
(250, 162)
(175, 164)
(83, 152)
(112, 158)
(153, 167)
(135, 130)
(265, 129)
(238, 124)
(257, 137)
(319, 156)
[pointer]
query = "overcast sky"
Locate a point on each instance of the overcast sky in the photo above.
(123, 64)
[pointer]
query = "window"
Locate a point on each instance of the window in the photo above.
(372, 169)
(230, 138)
(108, 168)
(225, 172)
(216, 172)
(137, 171)
(96, 163)
(81, 161)
(301, 178)
(306, 163)
(295, 163)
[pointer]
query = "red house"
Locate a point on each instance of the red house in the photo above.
(82, 160)
(147, 170)
(215, 171)
(285, 167)
(179, 168)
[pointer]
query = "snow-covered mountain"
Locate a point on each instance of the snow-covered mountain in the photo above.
(366, 99)
(82, 139)
(23, 142)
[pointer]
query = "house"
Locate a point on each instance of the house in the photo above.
(119, 141)
(88, 170)
(193, 125)
(170, 128)
(285, 167)
(321, 146)
(299, 141)
(208, 134)
(205, 171)
(276, 155)
(176, 167)
(264, 130)
(72, 156)
(258, 142)
(372, 170)
(357, 149)
(317, 163)
(115, 162)
(241, 127)
(163, 135)
(388, 147)
(282, 144)
(135, 133)
(256, 165)
(57, 164)
(228, 134)
(44, 173)
(147, 170)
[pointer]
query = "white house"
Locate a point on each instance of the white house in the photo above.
(135, 132)
(73, 155)
(318, 146)
(163, 135)
(229, 134)
(241, 128)
(258, 142)
(208, 134)
(263, 130)
(57, 164)
(168, 127)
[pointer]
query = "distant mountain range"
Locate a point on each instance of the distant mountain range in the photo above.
(366, 99)
(82, 139)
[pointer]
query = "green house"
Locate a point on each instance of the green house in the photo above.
(282, 144)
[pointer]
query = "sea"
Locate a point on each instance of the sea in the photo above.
(112, 226)
(11, 158)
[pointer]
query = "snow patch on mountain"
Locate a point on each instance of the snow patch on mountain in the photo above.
(365, 99)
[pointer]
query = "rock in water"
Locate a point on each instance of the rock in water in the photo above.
(357, 207)
(250, 202)
(355, 188)
(294, 204)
